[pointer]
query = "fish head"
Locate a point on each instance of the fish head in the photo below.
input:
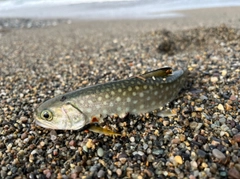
(60, 115)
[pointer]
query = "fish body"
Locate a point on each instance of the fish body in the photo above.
(74, 110)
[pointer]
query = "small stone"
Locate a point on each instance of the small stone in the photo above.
(224, 72)
(24, 135)
(201, 153)
(218, 154)
(222, 120)
(233, 98)
(221, 108)
(234, 173)
(193, 125)
(90, 144)
(132, 139)
(228, 107)
(72, 143)
(194, 164)
(23, 119)
(236, 138)
(165, 123)
(214, 79)
(100, 152)
(47, 173)
(101, 174)
(157, 152)
(150, 158)
(178, 159)
(119, 172)
(176, 141)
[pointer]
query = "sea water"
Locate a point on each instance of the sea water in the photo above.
(104, 9)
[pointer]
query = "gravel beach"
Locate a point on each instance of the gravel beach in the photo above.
(201, 141)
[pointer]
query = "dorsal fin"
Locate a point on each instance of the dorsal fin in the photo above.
(161, 72)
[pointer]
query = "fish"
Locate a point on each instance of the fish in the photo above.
(89, 105)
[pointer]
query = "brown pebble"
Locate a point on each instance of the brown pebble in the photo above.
(233, 98)
(24, 135)
(176, 141)
(47, 173)
(72, 143)
(234, 173)
(23, 119)
(228, 107)
(236, 138)
(119, 172)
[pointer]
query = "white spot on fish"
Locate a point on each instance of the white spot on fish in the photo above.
(99, 98)
(137, 87)
(90, 102)
(120, 90)
(135, 101)
(141, 106)
(105, 102)
(98, 106)
(150, 87)
(148, 98)
(105, 111)
(156, 93)
(118, 99)
(129, 88)
(145, 87)
(134, 93)
(112, 93)
(128, 99)
(111, 104)
(134, 110)
(119, 109)
(141, 94)
(127, 109)
(166, 88)
(82, 102)
(153, 103)
(107, 96)
(89, 110)
(124, 93)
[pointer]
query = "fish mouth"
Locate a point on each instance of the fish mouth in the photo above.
(45, 124)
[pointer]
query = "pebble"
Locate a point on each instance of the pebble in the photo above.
(119, 172)
(101, 174)
(201, 153)
(157, 152)
(100, 152)
(178, 159)
(236, 138)
(132, 139)
(218, 154)
(150, 158)
(234, 173)
(214, 79)
(221, 108)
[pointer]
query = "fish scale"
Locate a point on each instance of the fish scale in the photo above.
(74, 110)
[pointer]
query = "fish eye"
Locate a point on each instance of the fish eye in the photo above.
(47, 115)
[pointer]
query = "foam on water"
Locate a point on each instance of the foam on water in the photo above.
(103, 9)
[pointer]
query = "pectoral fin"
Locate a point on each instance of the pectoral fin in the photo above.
(101, 130)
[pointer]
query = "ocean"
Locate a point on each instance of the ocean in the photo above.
(104, 9)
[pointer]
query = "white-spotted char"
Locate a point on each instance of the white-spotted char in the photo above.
(144, 93)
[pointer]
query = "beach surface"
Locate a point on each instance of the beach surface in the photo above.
(41, 60)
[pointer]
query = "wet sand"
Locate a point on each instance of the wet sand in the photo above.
(200, 142)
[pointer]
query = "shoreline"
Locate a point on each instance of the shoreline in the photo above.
(205, 17)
